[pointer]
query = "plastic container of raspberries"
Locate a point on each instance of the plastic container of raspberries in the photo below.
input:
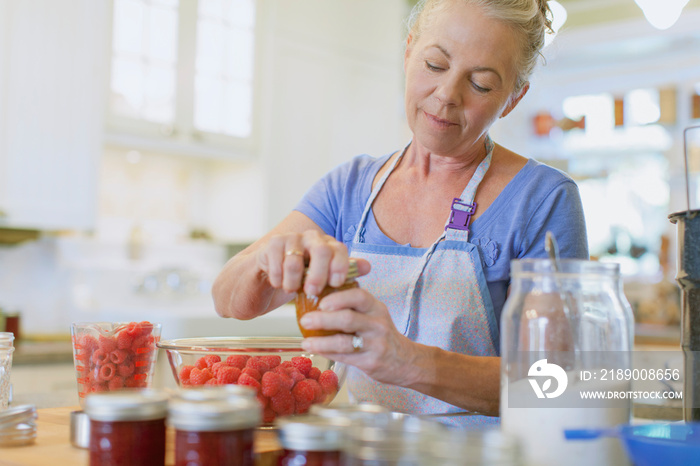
(287, 379)
(111, 356)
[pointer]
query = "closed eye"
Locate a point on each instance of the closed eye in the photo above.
(482, 90)
(432, 66)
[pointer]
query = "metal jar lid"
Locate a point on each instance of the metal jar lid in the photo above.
(352, 411)
(312, 433)
(17, 426)
(232, 413)
(352, 274)
(127, 405)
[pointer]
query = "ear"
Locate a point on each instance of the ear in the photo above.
(515, 99)
(407, 52)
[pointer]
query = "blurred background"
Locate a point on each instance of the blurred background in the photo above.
(144, 142)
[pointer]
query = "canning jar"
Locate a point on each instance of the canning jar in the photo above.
(212, 431)
(127, 428)
(389, 441)
(566, 330)
(311, 440)
(305, 303)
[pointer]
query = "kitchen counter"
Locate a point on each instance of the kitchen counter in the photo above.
(53, 444)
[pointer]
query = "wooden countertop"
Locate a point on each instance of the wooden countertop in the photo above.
(53, 444)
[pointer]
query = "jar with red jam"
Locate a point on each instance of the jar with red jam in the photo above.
(311, 440)
(127, 428)
(211, 431)
(305, 303)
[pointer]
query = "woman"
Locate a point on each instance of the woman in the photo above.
(425, 320)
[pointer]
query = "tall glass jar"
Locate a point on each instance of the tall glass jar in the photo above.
(566, 330)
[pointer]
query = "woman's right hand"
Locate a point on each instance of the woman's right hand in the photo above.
(284, 257)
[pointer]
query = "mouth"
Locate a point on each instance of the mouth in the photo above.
(438, 121)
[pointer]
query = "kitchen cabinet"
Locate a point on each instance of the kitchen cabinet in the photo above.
(332, 90)
(52, 78)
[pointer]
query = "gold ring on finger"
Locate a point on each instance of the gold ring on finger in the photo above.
(294, 252)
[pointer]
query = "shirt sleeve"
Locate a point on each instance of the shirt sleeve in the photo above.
(560, 212)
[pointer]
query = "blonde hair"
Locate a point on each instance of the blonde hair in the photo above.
(529, 19)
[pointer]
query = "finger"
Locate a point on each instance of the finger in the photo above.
(363, 266)
(334, 344)
(357, 299)
(346, 321)
(321, 251)
(339, 265)
(293, 263)
(270, 260)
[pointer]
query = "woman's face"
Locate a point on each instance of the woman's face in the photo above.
(460, 77)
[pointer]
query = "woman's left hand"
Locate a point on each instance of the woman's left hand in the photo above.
(385, 354)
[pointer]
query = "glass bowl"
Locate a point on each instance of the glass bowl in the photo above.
(287, 379)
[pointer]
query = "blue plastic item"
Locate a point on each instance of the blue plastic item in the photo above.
(651, 444)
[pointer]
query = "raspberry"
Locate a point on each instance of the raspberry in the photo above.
(319, 396)
(272, 383)
(137, 329)
(257, 363)
(124, 340)
(286, 364)
(253, 373)
(126, 369)
(100, 357)
(269, 415)
(200, 376)
(131, 382)
(228, 374)
(142, 365)
(212, 359)
(218, 365)
(107, 372)
(304, 395)
(107, 344)
(116, 383)
(237, 360)
(185, 373)
(146, 327)
(85, 343)
(201, 363)
(314, 372)
(302, 363)
(118, 356)
(143, 345)
(283, 403)
(263, 400)
(296, 375)
(212, 381)
(246, 379)
(271, 361)
(328, 381)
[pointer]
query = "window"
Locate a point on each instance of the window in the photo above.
(183, 69)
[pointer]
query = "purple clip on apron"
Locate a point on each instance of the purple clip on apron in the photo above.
(436, 296)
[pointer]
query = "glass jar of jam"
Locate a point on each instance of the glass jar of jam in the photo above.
(127, 427)
(212, 431)
(305, 303)
(311, 440)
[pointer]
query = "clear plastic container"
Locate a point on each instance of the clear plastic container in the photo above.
(565, 328)
(127, 427)
(451, 446)
(211, 431)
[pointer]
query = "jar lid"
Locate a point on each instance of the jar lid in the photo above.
(352, 411)
(229, 413)
(311, 432)
(17, 426)
(11, 417)
(352, 274)
(218, 392)
(126, 405)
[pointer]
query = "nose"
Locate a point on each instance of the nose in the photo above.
(449, 89)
